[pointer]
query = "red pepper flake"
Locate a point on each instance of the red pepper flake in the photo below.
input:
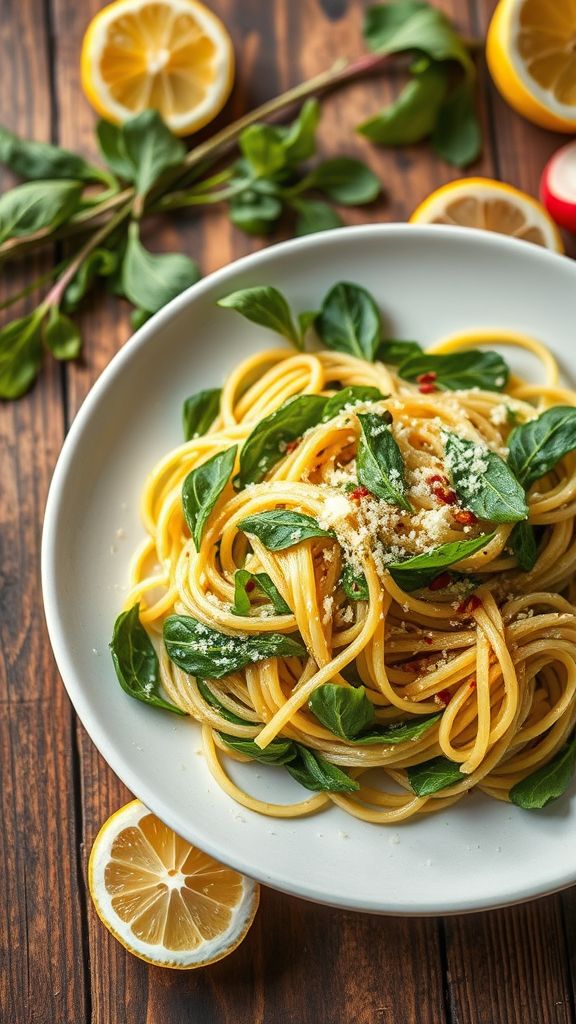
(427, 389)
(428, 640)
(440, 582)
(442, 490)
(437, 478)
(292, 445)
(444, 696)
(250, 586)
(427, 378)
(472, 685)
(470, 604)
(463, 516)
(359, 492)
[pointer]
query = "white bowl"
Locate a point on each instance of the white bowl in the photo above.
(430, 281)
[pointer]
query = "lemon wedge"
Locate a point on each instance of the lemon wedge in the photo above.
(163, 899)
(173, 56)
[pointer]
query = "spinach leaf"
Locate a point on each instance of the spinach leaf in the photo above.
(136, 662)
(537, 446)
(344, 710)
(20, 354)
(354, 394)
(34, 160)
(420, 570)
(266, 444)
(379, 461)
(354, 584)
(459, 370)
(345, 180)
(314, 772)
(202, 488)
(430, 776)
(457, 137)
(394, 352)
(313, 215)
(350, 322)
(266, 306)
(61, 335)
(398, 732)
(199, 412)
(282, 528)
(262, 147)
(246, 583)
(255, 212)
(150, 280)
(277, 752)
(100, 263)
(547, 783)
(113, 149)
(207, 653)
(483, 482)
(522, 540)
(151, 148)
(299, 138)
(223, 711)
(413, 115)
(413, 25)
(37, 204)
(306, 320)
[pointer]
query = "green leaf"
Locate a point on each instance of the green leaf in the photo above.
(20, 354)
(350, 321)
(537, 446)
(522, 540)
(398, 732)
(266, 306)
(35, 205)
(394, 352)
(150, 280)
(39, 160)
(151, 149)
(547, 783)
(427, 778)
(413, 116)
(345, 180)
(263, 148)
(395, 27)
(99, 263)
(202, 488)
(281, 528)
(459, 370)
(344, 710)
(380, 465)
(254, 212)
(457, 137)
(199, 412)
(354, 584)
(314, 772)
(266, 444)
(347, 398)
(277, 752)
(417, 572)
(223, 711)
(299, 138)
(248, 583)
(62, 336)
(138, 317)
(483, 482)
(207, 653)
(306, 320)
(313, 215)
(113, 148)
(136, 662)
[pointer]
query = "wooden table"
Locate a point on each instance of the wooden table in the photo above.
(300, 962)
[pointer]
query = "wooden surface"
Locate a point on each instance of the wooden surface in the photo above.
(300, 962)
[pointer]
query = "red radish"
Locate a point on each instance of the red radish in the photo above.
(558, 186)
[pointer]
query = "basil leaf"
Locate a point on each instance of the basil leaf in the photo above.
(277, 752)
(522, 540)
(413, 115)
(281, 528)
(459, 370)
(39, 160)
(417, 572)
(199, 412)
(412, 25)
(395, 352)
(99, 263)
(266, 306)
(537, 446)
(429, 777)
(398, 732)
(313, 215)
(547, 783)
(260, 582)
(354, 394)
(20, 354)
(37, 205)
(207, 653)
(136, 662)
(314, 772)
(61, 335)
(264, 447)
(380, 465)
(457, 137)
(254, 213)
(350, 321)
(345, 180)
(150, 280)
(262, 147)
(202, 488)
(306, 320)
(483, 482)
(344, 710)
(113, 148)
(354, 584)
(299, 138)
(213, 701)
(151, 149)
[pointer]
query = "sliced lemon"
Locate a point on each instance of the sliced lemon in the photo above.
(174, 56)
(163, 899)
(531, 53)
(492, 205)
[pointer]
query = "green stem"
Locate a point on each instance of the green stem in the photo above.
(180, 200)
(49, 276)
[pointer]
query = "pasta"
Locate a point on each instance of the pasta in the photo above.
(426, 631)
